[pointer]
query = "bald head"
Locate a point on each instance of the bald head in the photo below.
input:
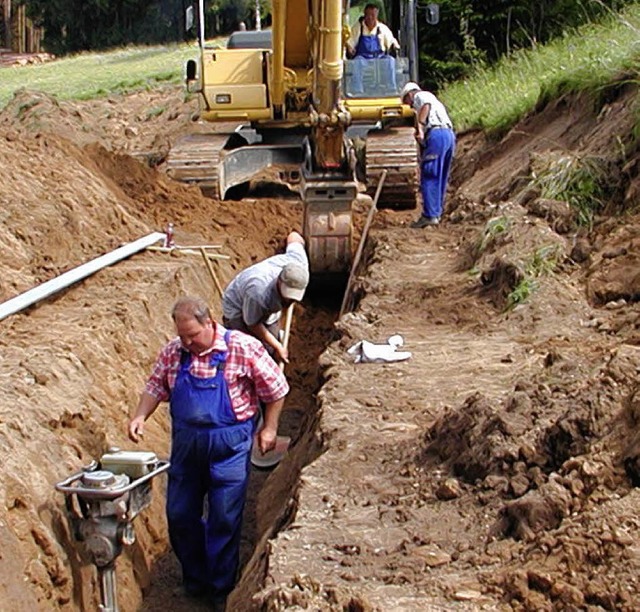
(191, 308)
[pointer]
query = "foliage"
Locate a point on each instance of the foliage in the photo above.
(583, 182)
(495, 97)
(78, 25)
(493, 228)
(474, 33)
(224, 16)
(470, 32)
(543, 261)
(521, 293)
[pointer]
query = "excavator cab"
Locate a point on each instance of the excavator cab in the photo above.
(375, 78)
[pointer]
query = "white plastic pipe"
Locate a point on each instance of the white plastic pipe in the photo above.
(75, 274)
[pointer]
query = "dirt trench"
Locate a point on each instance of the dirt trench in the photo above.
(496, 468)
(73, 365)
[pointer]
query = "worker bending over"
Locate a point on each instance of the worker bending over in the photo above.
(254, 299)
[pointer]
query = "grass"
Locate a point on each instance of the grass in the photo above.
(542, 262)
(493, 228)
(92, 75)
(583, 182)
(521, 293)
(496, 97)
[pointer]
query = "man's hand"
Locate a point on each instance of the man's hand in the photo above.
(147, 404)
(295, 237)
(136, 429)
(282, 353)
(267, 439)
(268, 434)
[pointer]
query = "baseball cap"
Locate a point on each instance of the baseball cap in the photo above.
(408, 88)
(294, 279)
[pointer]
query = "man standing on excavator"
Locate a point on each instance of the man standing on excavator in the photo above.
(371, 39)
(254, 299)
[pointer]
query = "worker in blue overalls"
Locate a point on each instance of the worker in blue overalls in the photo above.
(372, 40)
(214, 380)
(437, 140)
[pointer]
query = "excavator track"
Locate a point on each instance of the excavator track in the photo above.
(394, 150)
(195, 159)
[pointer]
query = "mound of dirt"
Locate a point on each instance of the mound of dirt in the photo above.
(73, 364)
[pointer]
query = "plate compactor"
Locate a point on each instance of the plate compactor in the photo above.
(101, 502)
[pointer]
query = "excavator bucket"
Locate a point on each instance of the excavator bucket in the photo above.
(327, 225)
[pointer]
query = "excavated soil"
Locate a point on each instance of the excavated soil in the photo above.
(496, 468)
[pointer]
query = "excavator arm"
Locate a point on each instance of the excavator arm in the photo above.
(329, 185)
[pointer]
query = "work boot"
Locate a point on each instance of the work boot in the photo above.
(424, 221)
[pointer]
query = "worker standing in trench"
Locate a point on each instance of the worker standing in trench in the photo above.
(254, 299)
(215, 380)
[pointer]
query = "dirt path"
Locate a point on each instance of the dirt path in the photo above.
(369, 516)
(491, 469)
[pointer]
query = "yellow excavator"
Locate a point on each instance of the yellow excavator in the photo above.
(306, 116)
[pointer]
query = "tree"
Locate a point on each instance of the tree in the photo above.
(478, 31)
(78, 25)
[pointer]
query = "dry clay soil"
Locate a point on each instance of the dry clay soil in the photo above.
(494, 469)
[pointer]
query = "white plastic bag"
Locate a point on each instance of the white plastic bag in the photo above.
(367, 352)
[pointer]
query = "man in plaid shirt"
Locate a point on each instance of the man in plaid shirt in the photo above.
(214, 380)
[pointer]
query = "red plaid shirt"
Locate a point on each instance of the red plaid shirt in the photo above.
(251, 374)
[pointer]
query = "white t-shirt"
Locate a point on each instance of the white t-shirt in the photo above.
(438, 116)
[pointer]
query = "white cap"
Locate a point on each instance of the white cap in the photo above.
(408, 88)
(294, 278)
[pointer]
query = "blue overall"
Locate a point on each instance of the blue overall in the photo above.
(210, 458)
(369, 48)
(440, 145)
(368, 45)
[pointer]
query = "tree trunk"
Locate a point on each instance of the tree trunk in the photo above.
(7, 23)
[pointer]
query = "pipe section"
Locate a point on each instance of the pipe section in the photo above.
(30, 297)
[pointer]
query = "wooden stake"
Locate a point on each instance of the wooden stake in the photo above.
(207, 261)
(199, 246)
(363, 238)
(159, 249)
